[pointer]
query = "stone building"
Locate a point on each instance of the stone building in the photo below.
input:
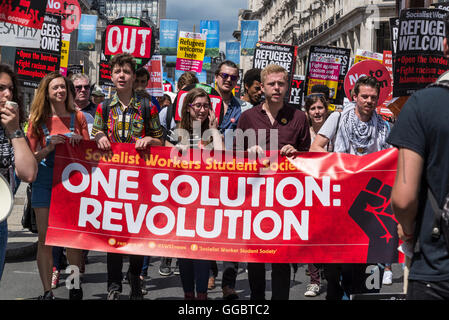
(350, 24)
(153, 10)
(353, 24)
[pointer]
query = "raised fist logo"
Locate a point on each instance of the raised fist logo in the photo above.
(371, 210)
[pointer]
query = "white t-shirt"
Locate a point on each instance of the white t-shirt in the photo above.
(162, 119)
(329, 130)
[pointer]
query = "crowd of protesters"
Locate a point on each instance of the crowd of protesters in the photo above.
(70, 110)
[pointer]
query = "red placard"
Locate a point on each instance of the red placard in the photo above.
(133, 40)
(155, 86)
(70, 11)
(167, 86)
(315, 208)
(388, 63)
(369, 68)
(215, 99)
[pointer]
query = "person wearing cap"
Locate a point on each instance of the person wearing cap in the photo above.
(97, 96)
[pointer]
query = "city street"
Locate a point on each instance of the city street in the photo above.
(225, 130)
(21, 281)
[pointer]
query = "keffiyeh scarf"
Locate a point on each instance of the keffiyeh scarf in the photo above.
(357, 137)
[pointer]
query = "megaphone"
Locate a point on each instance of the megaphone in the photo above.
(6, 199)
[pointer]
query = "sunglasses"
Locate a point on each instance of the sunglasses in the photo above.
(225, 76)
(86, 87)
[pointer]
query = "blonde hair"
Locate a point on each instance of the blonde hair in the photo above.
(40, 109)
(272, 68)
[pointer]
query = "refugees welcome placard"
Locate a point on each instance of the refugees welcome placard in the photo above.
(419, 59)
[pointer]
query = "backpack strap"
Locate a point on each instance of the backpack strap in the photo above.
(436, 228)
(146, 112)
(169, 116)
(335, 134)
(45, 130)
(439, 84)
(106, 108)
(72, 122)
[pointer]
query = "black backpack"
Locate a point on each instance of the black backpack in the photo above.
(441, 216)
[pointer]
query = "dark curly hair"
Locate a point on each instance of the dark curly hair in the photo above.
(366, 81)
(123, 58)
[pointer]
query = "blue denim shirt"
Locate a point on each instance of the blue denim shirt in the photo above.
(232, 116)
(230, 120)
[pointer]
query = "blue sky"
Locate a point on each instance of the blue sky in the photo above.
(190, 12)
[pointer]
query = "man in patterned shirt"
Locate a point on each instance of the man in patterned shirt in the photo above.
(126, 118)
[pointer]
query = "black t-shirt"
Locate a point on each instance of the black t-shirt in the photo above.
(91, 108)
(423, 127)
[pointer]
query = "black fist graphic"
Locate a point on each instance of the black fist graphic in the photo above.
(371, 210)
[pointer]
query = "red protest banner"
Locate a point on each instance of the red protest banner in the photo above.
(28, 13)
(316, 208)
(369, 68)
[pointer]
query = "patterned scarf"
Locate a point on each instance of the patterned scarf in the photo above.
(361, 137)
(6, 155)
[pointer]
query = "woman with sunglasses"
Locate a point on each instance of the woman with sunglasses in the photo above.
(197, 116)
(53, 121)
(317, 112)
(16, 157)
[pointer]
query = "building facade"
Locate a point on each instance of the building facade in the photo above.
(153, 10)
(361, 24)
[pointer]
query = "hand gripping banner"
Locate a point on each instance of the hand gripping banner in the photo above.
(314, 208)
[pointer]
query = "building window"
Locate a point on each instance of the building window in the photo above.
(383, 37)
